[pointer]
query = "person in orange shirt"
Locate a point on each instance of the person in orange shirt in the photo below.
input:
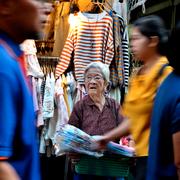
(148, 44)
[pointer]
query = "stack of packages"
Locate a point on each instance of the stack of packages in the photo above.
(72, 139)
(120, 149)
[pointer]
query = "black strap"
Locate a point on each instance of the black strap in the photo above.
(161, 70)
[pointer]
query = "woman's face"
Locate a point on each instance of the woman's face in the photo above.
(139, 44)
(94, 82)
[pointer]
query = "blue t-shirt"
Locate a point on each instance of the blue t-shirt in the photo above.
(18, 136)
(165, 122)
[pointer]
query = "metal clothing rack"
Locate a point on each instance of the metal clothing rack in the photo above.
(48, 63)
(48, 59)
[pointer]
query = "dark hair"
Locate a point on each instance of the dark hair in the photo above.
(154, 26)
(173, 49)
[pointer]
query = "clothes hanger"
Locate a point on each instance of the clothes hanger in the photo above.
(99, 4)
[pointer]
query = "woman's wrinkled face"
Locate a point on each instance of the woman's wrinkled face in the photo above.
(139, 44)
(94, 82)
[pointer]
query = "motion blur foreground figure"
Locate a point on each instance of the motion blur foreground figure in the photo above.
(148, 43)
(164, 148)
(19, 20)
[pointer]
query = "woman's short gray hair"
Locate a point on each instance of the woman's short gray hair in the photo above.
(104, 69)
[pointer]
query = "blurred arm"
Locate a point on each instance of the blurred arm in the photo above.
(121, 130)
(118, 132)
(7, 172)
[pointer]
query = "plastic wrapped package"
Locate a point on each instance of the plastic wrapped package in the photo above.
(72, 139)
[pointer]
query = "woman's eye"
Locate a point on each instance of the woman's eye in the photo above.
(97, 78)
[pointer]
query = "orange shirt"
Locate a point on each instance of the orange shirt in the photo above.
(139, 103)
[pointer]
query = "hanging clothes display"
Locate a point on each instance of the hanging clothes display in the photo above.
(35, 76)
(93, 36)
(91, 40)
(88, 40)
(33, 67)
(117, 65)
(57, 102)
(47, 88)
(119, 69)
(125, 50)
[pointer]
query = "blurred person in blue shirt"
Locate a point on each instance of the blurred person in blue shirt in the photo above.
(19, 20)
(164, 148)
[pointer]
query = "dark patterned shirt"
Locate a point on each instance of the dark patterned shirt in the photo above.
(87, 116)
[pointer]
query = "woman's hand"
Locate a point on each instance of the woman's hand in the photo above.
(101, 142)
(132, 143)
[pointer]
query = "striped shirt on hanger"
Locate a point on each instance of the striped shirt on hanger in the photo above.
(91, 40)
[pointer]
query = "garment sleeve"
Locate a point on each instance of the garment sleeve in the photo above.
(66, 54)
(110, 45)
(125, 50)
(8, 115)
(75, 117)
(175, 122)
(126, 61)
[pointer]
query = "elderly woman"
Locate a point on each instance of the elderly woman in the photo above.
(96, 114)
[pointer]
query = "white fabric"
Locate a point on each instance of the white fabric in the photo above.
(48, 103)
(70, 89)
(63, 117)
(40, 120)
(132, 4)
(34, 92)
(33, 67)
(119, 8)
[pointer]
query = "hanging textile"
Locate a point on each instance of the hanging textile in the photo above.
(33, 67)
(132, 4)
(70, 89)
(61, 28)
(58, 26)
(119, 68)
(48, 103)
(55, 103)
(121, 9)
(63, 116)
(117, 65)
(91, 40)
(40, 120)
